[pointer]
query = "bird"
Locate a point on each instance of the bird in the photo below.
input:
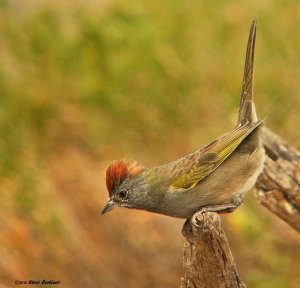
(213, 178)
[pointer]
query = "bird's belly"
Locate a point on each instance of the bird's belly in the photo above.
(219, 188)
(252, 180)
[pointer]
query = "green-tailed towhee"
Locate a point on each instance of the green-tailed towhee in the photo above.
(213, 178)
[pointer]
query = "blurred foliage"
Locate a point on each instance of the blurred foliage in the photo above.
(85, 82)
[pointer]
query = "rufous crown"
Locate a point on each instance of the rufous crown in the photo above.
(118, 171)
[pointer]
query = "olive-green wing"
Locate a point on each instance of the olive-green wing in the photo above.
(213, 155)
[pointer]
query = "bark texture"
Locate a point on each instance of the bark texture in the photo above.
(207, 259)
(278, 187)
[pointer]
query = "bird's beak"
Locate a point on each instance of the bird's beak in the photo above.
(109, 206)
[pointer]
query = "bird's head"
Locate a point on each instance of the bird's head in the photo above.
(124, 183)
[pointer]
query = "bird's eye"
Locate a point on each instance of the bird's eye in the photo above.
(123, 194)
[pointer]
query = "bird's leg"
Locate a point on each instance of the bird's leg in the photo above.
(218, 208)
(224, 208)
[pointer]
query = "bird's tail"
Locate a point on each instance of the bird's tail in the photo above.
(247, 111)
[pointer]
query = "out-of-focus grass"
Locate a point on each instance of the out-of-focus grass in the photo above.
(84, 83)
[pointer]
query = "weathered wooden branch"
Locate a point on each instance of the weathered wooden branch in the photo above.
(207, 259)
(278, 187)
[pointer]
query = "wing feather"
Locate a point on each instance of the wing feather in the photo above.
(213, 155)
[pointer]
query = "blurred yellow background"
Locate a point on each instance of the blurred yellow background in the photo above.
(85, 82)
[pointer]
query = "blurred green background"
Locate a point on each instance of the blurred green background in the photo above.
(85, 82)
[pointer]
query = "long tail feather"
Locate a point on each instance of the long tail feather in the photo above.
(247, 111)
